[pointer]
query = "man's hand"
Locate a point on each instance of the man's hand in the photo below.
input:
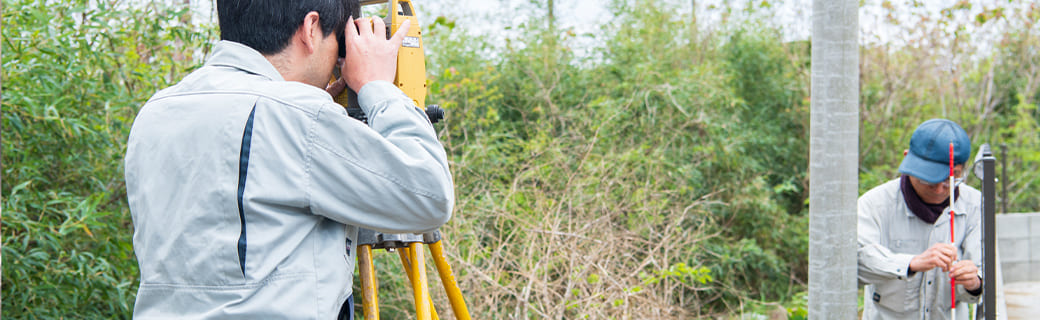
(369, 55)
(967, 274)
(940, 255)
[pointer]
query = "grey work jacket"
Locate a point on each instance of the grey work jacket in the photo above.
(246, 190)
(890, 235)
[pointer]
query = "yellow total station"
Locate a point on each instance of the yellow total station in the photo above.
(411, 61)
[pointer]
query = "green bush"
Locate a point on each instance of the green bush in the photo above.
(74, 75)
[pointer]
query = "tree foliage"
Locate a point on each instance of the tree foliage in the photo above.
(987, 80)
(74, 75)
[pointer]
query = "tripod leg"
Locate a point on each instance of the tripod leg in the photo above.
(406, 258)
(458, 305)
(369, 305)
(415, 267)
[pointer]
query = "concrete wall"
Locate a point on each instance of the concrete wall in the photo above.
(1018, 244)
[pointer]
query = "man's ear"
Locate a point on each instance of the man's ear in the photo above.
(309, 34)
(905, 151)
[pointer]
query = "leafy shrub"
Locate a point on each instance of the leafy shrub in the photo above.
(74, 75)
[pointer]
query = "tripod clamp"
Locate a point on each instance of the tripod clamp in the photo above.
(390, 241)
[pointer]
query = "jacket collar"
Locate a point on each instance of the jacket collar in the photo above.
(236, 55)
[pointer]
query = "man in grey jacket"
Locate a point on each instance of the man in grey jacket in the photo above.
(247, 183)
(906, 258)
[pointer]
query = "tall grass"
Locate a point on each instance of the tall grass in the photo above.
(643, 187)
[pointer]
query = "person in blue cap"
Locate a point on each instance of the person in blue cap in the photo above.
(906, 258)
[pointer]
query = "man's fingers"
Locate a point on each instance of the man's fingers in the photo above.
(379, 27)
(369, 54)
(962, 274)
(350, 35)
(964, 271)
(946, 252)
(951, 252)
(942, 262)
(365, 26)
(944, 259)
(401, 32)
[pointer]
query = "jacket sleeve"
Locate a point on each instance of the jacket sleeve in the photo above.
(875, 261)
(390, 177)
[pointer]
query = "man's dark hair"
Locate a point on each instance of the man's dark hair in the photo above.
(267, 25)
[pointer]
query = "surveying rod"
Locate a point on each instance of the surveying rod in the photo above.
(953, 281)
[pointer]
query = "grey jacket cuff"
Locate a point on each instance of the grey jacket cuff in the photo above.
(900, 266)
(964, 296)
(375, 92)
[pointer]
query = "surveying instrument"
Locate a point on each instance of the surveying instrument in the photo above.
(411, 79)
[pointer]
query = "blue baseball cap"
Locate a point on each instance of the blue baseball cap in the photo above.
(929, 156)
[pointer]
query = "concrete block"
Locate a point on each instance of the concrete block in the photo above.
(1034, 249)
(1014, 249)
(1015, 271)
(1012, 226)
(1034, 224)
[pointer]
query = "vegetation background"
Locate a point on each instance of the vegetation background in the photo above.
(660, 172)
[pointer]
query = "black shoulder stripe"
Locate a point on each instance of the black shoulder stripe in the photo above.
(243, 168)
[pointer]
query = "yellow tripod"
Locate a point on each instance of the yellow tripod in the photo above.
(409, 247)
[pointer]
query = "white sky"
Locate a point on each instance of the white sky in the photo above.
(493, 19)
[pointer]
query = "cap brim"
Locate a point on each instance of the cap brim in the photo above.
(927, 170)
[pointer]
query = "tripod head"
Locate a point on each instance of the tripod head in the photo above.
(379, 240)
